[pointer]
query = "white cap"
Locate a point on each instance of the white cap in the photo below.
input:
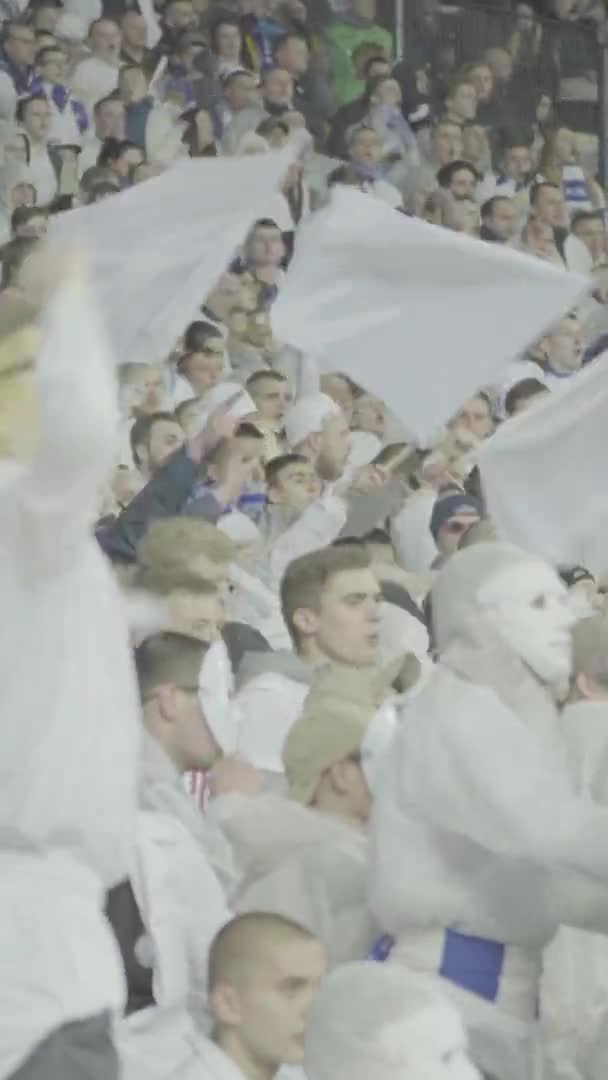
(242, 406)
(307, 416)
(364, 447)
(239, 527)
(70, 27)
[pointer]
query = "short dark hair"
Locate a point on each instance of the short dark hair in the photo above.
(104, 101)
(14, 255)
(378, 536)
(306, 577)
(487, 210)
(169, 658)
(198, 334)
(40, 55)
(258, 376)
(112, 149)
(446, 173)
(581, 216)
(265, 223)
(523, 391)
(292, 35)
(142, 429)
(270, 124)
(238, 74)
(275, 466)
(23, 214)
(23, 103)
(538, 187)
(247, 431)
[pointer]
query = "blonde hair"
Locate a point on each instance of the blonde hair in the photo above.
(169, 546)
(243, 944)
(163, 581)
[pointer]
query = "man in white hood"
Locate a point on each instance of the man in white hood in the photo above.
(575, 966)
(70, 734)
(499, 849)
(263, 974)
(371, 1021)
(306, 858)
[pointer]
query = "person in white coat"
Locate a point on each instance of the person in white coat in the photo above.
(331, 604)
(381, 1021)
(306, 857)
(263, 973)
(180, 897)
(70, 733)
(480, 845)
(575, 965)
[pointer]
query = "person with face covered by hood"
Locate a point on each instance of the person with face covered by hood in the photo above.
(380, 1021)
(305, 858)
(575, 984)
(477, 790)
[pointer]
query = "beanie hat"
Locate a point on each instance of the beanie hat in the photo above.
(333, 724)
(307, 417)
(571, 575)
(447, 506)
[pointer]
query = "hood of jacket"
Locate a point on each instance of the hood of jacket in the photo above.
(282, 662)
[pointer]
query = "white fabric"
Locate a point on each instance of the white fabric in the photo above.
(411, 535)
(307, 416)
(154, 1042)
(71, 732)
(92, 80)
(543, 474)
(60, 962)
(267, 708)
(182, 906)
(63, 128)
(159, 247)
(304, 865)
(216, 687)
(240, 406)
(208, 1062)
(376, 1020)
(239, 527)
(575, 964)
(43, 173)
(153, 30)
(366, 284)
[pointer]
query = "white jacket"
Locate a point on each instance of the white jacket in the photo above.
(496, 844)
(182, 907)
(304, 865)
(59, 961)
(575, 965)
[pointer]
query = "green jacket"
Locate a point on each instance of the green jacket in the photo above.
(344, 37)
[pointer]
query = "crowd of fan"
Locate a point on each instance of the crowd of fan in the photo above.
(286, 526)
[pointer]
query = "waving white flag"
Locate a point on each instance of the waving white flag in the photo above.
(544, 473)
(159, 247)
(416, 314)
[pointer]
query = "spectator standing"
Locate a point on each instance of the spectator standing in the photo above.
(97, 76)
(344, 35)
(69, 121)
(16, 66)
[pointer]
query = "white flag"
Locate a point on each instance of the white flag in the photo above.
(418, 315)
(159, 247)
(544, 473)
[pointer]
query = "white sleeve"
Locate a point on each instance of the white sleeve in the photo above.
(78, 430)
(8, 97)
(491, 782)
(269, 706)
(320, 523)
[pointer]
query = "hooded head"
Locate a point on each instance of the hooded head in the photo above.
(345, 725)
(496, 592)
(378, 1020)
